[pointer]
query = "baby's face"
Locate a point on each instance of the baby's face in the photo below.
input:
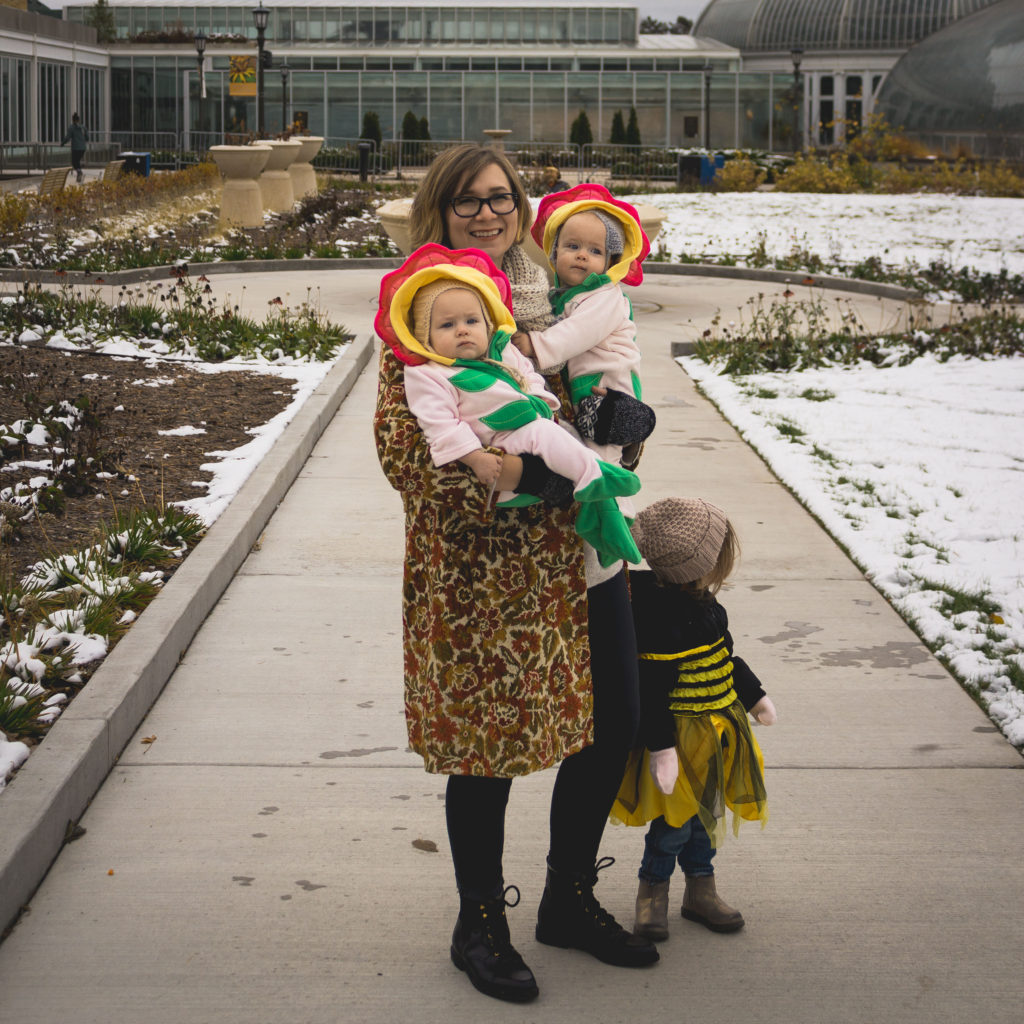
(458, 329)
(582, 249)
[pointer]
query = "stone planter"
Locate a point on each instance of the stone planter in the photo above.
(241, 202)
(302, 174)
(394, 218)
(275, 181)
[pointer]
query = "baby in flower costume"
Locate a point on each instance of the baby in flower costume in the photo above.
(595, 244)
(447, 316)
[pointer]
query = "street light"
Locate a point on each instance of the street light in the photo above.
(260, 16)
(797, 55)
(200, 42)
(284, 97)
(707, 69)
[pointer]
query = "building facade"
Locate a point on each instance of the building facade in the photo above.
(528, 67)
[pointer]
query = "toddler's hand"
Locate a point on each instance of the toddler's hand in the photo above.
(521, 340)
(486, 466)
(664, 766)
(764, 711)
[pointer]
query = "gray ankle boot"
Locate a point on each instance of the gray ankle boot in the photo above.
(701, 903)
(652, 911)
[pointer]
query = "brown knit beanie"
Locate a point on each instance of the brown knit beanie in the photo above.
(680, 538)
(423, 305)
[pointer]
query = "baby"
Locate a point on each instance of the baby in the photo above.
(471, 390)
(594, 241)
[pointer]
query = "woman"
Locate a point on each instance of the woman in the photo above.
(500, 679)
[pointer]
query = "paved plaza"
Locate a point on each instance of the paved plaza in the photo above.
(275, 853)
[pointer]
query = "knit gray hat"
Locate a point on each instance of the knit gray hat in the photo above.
(680, 538)
(614, 240)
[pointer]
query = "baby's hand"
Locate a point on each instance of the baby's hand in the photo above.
(521, 340)
(486, 466)
(764, 711)
(664, 768)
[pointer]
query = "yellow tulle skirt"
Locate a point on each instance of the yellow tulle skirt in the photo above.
(720, 765)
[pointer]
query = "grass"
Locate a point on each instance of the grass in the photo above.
(179, 316)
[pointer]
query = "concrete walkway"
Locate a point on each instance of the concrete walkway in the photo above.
(276, 854)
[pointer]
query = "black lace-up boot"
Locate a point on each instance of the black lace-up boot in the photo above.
(482, 947)
(571, 917)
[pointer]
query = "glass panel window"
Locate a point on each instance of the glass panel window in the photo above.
(685, 109)
(482, 25)
(510, 64)
(513, 26)
(827, 85)
(307, 98)
(349, 24)
(446, 106)
(464, 32)
(378, 95)
(342, 110)
(514, 99)
(651, 109)
(549, 120)
(479, 91)
(755, 111)
(332, 24)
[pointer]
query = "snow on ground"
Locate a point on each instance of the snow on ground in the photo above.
(960, 230)
(919, 472)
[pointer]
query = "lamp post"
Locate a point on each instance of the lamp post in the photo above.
(707, 69)
(284, 97)
(797, 55)
(260, 16)
(200, 42)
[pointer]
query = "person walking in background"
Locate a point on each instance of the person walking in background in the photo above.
(78, 135)
(699, 755)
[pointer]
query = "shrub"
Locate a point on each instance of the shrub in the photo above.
(809, 174)
(739, 175)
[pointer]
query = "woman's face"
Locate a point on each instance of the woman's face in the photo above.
(492, 232)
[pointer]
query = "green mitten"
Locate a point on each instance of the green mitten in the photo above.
(613, 482)
(603, 527)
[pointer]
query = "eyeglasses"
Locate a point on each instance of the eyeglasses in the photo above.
(470, 206)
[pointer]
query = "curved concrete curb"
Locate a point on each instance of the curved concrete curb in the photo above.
(62, 776)
(27, 275)
(81, 277)
(801, 277)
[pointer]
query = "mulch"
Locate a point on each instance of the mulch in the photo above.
(129, 401)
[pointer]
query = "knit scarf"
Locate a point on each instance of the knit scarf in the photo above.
(529, 290)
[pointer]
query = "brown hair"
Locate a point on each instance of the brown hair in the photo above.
(452, 170)
(724, 565)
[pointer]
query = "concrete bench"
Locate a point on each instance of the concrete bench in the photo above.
(112, 171)
(54, 180)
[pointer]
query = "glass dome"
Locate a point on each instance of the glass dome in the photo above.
(967, 78)
(753, 25)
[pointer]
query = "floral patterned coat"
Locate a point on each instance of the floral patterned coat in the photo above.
(494, 613)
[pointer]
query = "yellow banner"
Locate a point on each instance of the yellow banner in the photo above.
(242, 76)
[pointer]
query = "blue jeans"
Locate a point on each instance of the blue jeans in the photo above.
(664, 845)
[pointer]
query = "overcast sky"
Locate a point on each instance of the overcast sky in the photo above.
(669, 10)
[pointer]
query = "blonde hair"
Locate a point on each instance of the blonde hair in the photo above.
(728, 556)
(452, 170)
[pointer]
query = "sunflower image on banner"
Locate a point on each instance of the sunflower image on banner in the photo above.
(242, 76)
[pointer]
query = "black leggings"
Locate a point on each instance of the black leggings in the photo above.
(587, 781)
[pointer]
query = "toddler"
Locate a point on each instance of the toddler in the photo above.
(700, 755)
(594, 242)
(446, 314)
